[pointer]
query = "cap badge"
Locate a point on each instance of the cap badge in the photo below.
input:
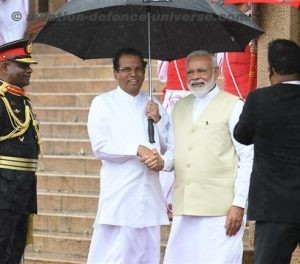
(29, 48)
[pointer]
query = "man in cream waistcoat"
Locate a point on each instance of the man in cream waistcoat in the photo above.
(212, 171)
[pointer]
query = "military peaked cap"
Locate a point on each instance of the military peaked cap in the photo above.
(19, 51)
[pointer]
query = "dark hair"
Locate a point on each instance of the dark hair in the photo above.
(284, 56)
(127, 51)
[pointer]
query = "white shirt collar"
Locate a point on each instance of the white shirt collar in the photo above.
(292, 82)
(127, 96)
(210, 95)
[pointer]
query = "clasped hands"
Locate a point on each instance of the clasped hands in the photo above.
(150, 157)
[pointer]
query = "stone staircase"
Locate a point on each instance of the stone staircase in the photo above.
(61, 90)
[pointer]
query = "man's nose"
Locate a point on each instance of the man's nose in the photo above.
(195, 76)
(133, 72)
(29, 69)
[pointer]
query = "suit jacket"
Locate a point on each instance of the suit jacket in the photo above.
(271, 120)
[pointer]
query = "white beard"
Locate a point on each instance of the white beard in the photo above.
(201, 91)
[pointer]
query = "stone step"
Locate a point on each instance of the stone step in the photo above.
(61, 99)
(60, 243)
(64, 130)
(39, 48)
(74, 223)
(70, 164)
(66, 146)
(68, 72)
(60, 202)
(67, 99)
(57, 57)
(165, 232)
(46, 237)
(32, 257)
(61, 114)
(86, 85)
(68, 183)
(67, 59)
(248, 238)
(78, 71)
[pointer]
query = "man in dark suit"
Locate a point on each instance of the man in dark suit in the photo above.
(271, 120)
(19, 149)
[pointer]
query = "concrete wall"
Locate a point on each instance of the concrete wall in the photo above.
(278, 21)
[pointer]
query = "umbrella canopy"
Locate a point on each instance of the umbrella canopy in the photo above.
(160, 29)
(93, 29)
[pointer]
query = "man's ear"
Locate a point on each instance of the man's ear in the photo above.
(216, 72)
(271, 71)
(115, 75)
(3, 67)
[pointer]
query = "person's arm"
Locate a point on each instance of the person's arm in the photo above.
(168, 157)
(160, 117)
(165, 135)
(241, 186)
(103, 145)
(244, 129)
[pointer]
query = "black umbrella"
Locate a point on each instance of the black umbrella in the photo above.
(160, 29)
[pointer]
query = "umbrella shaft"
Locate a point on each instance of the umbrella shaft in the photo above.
(149, 52)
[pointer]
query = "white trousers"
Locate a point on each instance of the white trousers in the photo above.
(124, 245)
(202, 240)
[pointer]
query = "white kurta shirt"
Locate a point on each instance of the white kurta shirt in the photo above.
(130, 193)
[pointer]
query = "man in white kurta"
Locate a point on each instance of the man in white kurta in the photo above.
(131, 205)
(212, 172)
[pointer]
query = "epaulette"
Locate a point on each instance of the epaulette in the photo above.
(3, 88)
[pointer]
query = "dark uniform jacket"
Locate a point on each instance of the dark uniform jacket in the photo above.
(17, 187)
(271, 120)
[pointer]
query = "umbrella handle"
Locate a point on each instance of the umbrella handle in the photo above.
(151, 130)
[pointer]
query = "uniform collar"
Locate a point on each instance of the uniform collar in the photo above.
(15, 90)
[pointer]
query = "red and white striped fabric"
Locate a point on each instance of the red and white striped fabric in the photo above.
(294, 3)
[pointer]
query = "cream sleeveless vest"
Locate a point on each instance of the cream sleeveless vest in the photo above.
(205, 158)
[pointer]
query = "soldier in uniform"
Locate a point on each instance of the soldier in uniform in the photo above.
(19, 150)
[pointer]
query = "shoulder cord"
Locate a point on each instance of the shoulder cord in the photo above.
(37, 132)
(19, 128)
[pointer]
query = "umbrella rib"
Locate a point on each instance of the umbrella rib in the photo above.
(226, 29)
(90, 42)
(164, 36)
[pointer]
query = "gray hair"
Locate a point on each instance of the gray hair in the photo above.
(203, 53)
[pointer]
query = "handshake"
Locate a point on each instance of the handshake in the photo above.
(151, 158)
